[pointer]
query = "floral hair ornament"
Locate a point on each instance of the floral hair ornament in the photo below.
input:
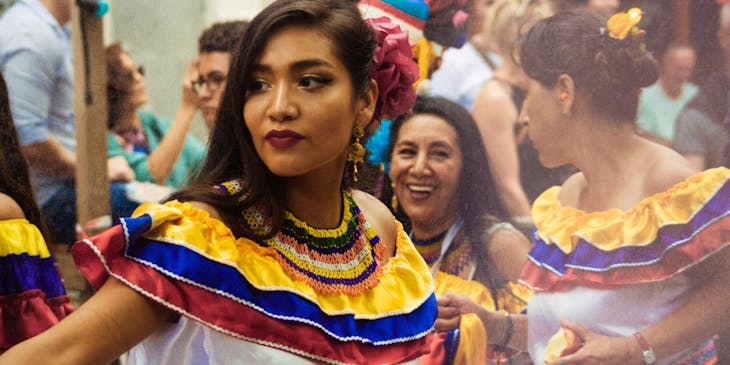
(393, 68)
(621, 24)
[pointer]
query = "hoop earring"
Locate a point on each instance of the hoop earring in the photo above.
(357, 150)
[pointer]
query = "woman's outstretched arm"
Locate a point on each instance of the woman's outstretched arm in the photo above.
(111, 322)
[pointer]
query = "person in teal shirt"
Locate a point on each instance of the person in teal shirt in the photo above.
(158, 150)
(661, 103)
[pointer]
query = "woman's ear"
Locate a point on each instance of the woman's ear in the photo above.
(366, 104)
(565, 89)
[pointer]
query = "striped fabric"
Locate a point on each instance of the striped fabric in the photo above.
(32, 297)
(660, 237)
(192, 264)
(410, 15)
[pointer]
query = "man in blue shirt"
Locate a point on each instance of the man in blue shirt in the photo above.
(35, 59)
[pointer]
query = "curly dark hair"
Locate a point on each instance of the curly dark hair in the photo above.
(222, 36)
(14, 179)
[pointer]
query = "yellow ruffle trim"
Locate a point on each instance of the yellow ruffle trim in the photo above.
(473, 336)
(608, 230)
(18, 236)
(404, 285)
(472, 349)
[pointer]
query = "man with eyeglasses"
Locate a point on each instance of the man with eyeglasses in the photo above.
(215, 49)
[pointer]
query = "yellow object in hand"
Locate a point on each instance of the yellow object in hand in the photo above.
(562, 343)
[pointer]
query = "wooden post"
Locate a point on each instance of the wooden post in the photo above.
(90, 110)
(682, 13)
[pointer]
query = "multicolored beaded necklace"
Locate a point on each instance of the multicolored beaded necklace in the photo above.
(430, 248)
(345, 259)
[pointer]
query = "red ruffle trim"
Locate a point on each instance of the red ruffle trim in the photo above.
(27, 314)
(226, 315)
(677, 260)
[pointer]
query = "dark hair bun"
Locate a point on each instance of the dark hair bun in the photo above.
(626, 66)
(611, 71)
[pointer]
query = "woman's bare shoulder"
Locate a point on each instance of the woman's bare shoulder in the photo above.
(9, 208)
(379, 216)
(668, 169)
(211, 210)
(571, 189)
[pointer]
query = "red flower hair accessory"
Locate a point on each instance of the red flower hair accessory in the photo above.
(394, 68)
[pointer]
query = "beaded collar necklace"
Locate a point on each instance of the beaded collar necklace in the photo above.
(345, 259)
(429, 248)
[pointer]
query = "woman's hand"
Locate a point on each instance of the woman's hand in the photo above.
(599, 349)
(191, 74)
(118, 169)
(451, 307)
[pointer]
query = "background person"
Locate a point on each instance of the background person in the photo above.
(463, 70)
(513, 163)
(158, 150)
(216, 45)
(269, 257)
(35, 59)
(439, 176)
(661, 103)
(703, 130)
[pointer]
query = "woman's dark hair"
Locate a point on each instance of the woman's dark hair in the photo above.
(14, 180)
(118, 82)
(611, 72)
(476, 195)
(231, 153)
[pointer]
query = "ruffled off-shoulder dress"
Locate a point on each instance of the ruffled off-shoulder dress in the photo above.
(280, 301)
(32, 296)
(618, 272)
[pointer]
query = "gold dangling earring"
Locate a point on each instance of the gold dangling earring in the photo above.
(357, 150)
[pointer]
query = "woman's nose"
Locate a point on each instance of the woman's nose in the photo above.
(420, 165)
(282, 106)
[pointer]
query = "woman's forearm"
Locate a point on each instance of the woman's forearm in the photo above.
(498, 329)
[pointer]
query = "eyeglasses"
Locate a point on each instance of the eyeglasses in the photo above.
(213, 82)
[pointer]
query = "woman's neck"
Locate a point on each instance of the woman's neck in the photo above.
(671, 89)
(315, 200)
(426, 230)
(611, 159)
(127, 120)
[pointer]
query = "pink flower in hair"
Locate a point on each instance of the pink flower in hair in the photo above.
(394, 68)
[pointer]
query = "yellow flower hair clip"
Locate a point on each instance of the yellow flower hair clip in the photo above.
(620, 24)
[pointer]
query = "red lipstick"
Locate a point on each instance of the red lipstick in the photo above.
(282, 138)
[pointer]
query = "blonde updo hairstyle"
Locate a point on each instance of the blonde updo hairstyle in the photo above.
(505, 20)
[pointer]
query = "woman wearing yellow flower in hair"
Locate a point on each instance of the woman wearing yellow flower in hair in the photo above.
(630, 254)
